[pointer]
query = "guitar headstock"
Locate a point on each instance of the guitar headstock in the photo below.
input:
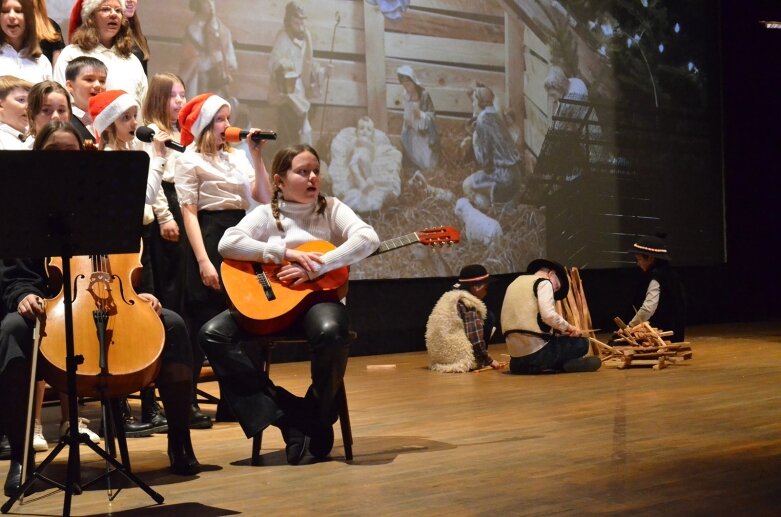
(439, 236)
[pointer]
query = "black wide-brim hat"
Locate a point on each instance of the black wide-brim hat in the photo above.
(473, 274)
(652, 246)
(561, 272)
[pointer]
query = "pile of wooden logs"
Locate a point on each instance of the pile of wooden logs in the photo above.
(574, 308)
(642, 345)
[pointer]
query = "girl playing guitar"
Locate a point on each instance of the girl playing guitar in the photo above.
(297, 214)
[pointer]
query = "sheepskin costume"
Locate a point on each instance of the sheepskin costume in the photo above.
(449, 350)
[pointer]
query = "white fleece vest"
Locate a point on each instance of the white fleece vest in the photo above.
(449, 350)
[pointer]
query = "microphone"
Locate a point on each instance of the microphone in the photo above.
(145, 134)
(235, 134)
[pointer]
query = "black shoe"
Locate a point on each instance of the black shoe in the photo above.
(322, 442)
(589, 363)
(5, 448)
(199, 420)
(296, 444)
(133, 428)
(183, 460)
(14, 478)
(152, 413)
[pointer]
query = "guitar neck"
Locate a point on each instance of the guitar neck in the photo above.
(398, 242)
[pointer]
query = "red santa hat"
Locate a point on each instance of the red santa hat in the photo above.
(106, 107)
(81, 11)
(197, 114)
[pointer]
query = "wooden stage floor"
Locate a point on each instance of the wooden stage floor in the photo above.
(702, 438)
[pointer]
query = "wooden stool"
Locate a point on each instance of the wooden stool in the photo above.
(268, 343)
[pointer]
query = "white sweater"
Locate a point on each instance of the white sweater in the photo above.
(257, 237)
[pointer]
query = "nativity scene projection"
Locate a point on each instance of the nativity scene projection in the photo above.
(534, 127)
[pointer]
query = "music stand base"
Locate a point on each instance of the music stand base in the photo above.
(72, 484)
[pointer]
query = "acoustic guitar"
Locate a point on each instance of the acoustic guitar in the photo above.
(263, 305)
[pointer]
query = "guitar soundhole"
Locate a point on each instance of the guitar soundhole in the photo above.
(263, 279)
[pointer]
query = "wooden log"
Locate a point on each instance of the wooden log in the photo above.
(644, 362)
(661, 364)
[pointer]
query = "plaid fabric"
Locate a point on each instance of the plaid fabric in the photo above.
(474, 328)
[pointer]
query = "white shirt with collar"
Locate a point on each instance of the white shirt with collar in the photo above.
(33, 70)
(11, 139)
(124, 73)
(84, 117)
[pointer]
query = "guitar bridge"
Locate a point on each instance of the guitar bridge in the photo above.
(263, 279)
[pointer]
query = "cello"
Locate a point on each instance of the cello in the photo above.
(118, 336)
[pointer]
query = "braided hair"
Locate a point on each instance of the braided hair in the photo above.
(281, 165)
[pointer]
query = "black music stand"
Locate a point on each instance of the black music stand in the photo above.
(66, 204)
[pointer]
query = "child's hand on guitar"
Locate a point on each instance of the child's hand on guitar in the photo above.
(292, 274)
(308, 260)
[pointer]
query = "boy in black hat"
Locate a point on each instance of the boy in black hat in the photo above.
(460, 325)
(538, 338)
(662, 298)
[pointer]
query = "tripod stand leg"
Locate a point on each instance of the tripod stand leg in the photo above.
(122, 469)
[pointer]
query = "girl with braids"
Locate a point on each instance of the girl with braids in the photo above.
(297, 214)
(214, 184)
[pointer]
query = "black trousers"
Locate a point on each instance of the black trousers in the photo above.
(168, 258)
(202, 303)
(550, 357)
(255, 400)
(16, 344)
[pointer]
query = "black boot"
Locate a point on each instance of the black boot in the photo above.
(322, 441)
(199, 420)
(176, 396)
(182, 456)
(296, 442)
(151, 412)
(14, 478)
(133, 428)
(5, 447)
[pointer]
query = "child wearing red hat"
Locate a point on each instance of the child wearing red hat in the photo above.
(215, 186)
(114, 118)
(100, 29)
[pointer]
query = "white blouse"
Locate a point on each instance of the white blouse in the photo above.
(124, 73)
(222, 182)
(11, 139)
(154, 176)
(33, 70)
(161, 209)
